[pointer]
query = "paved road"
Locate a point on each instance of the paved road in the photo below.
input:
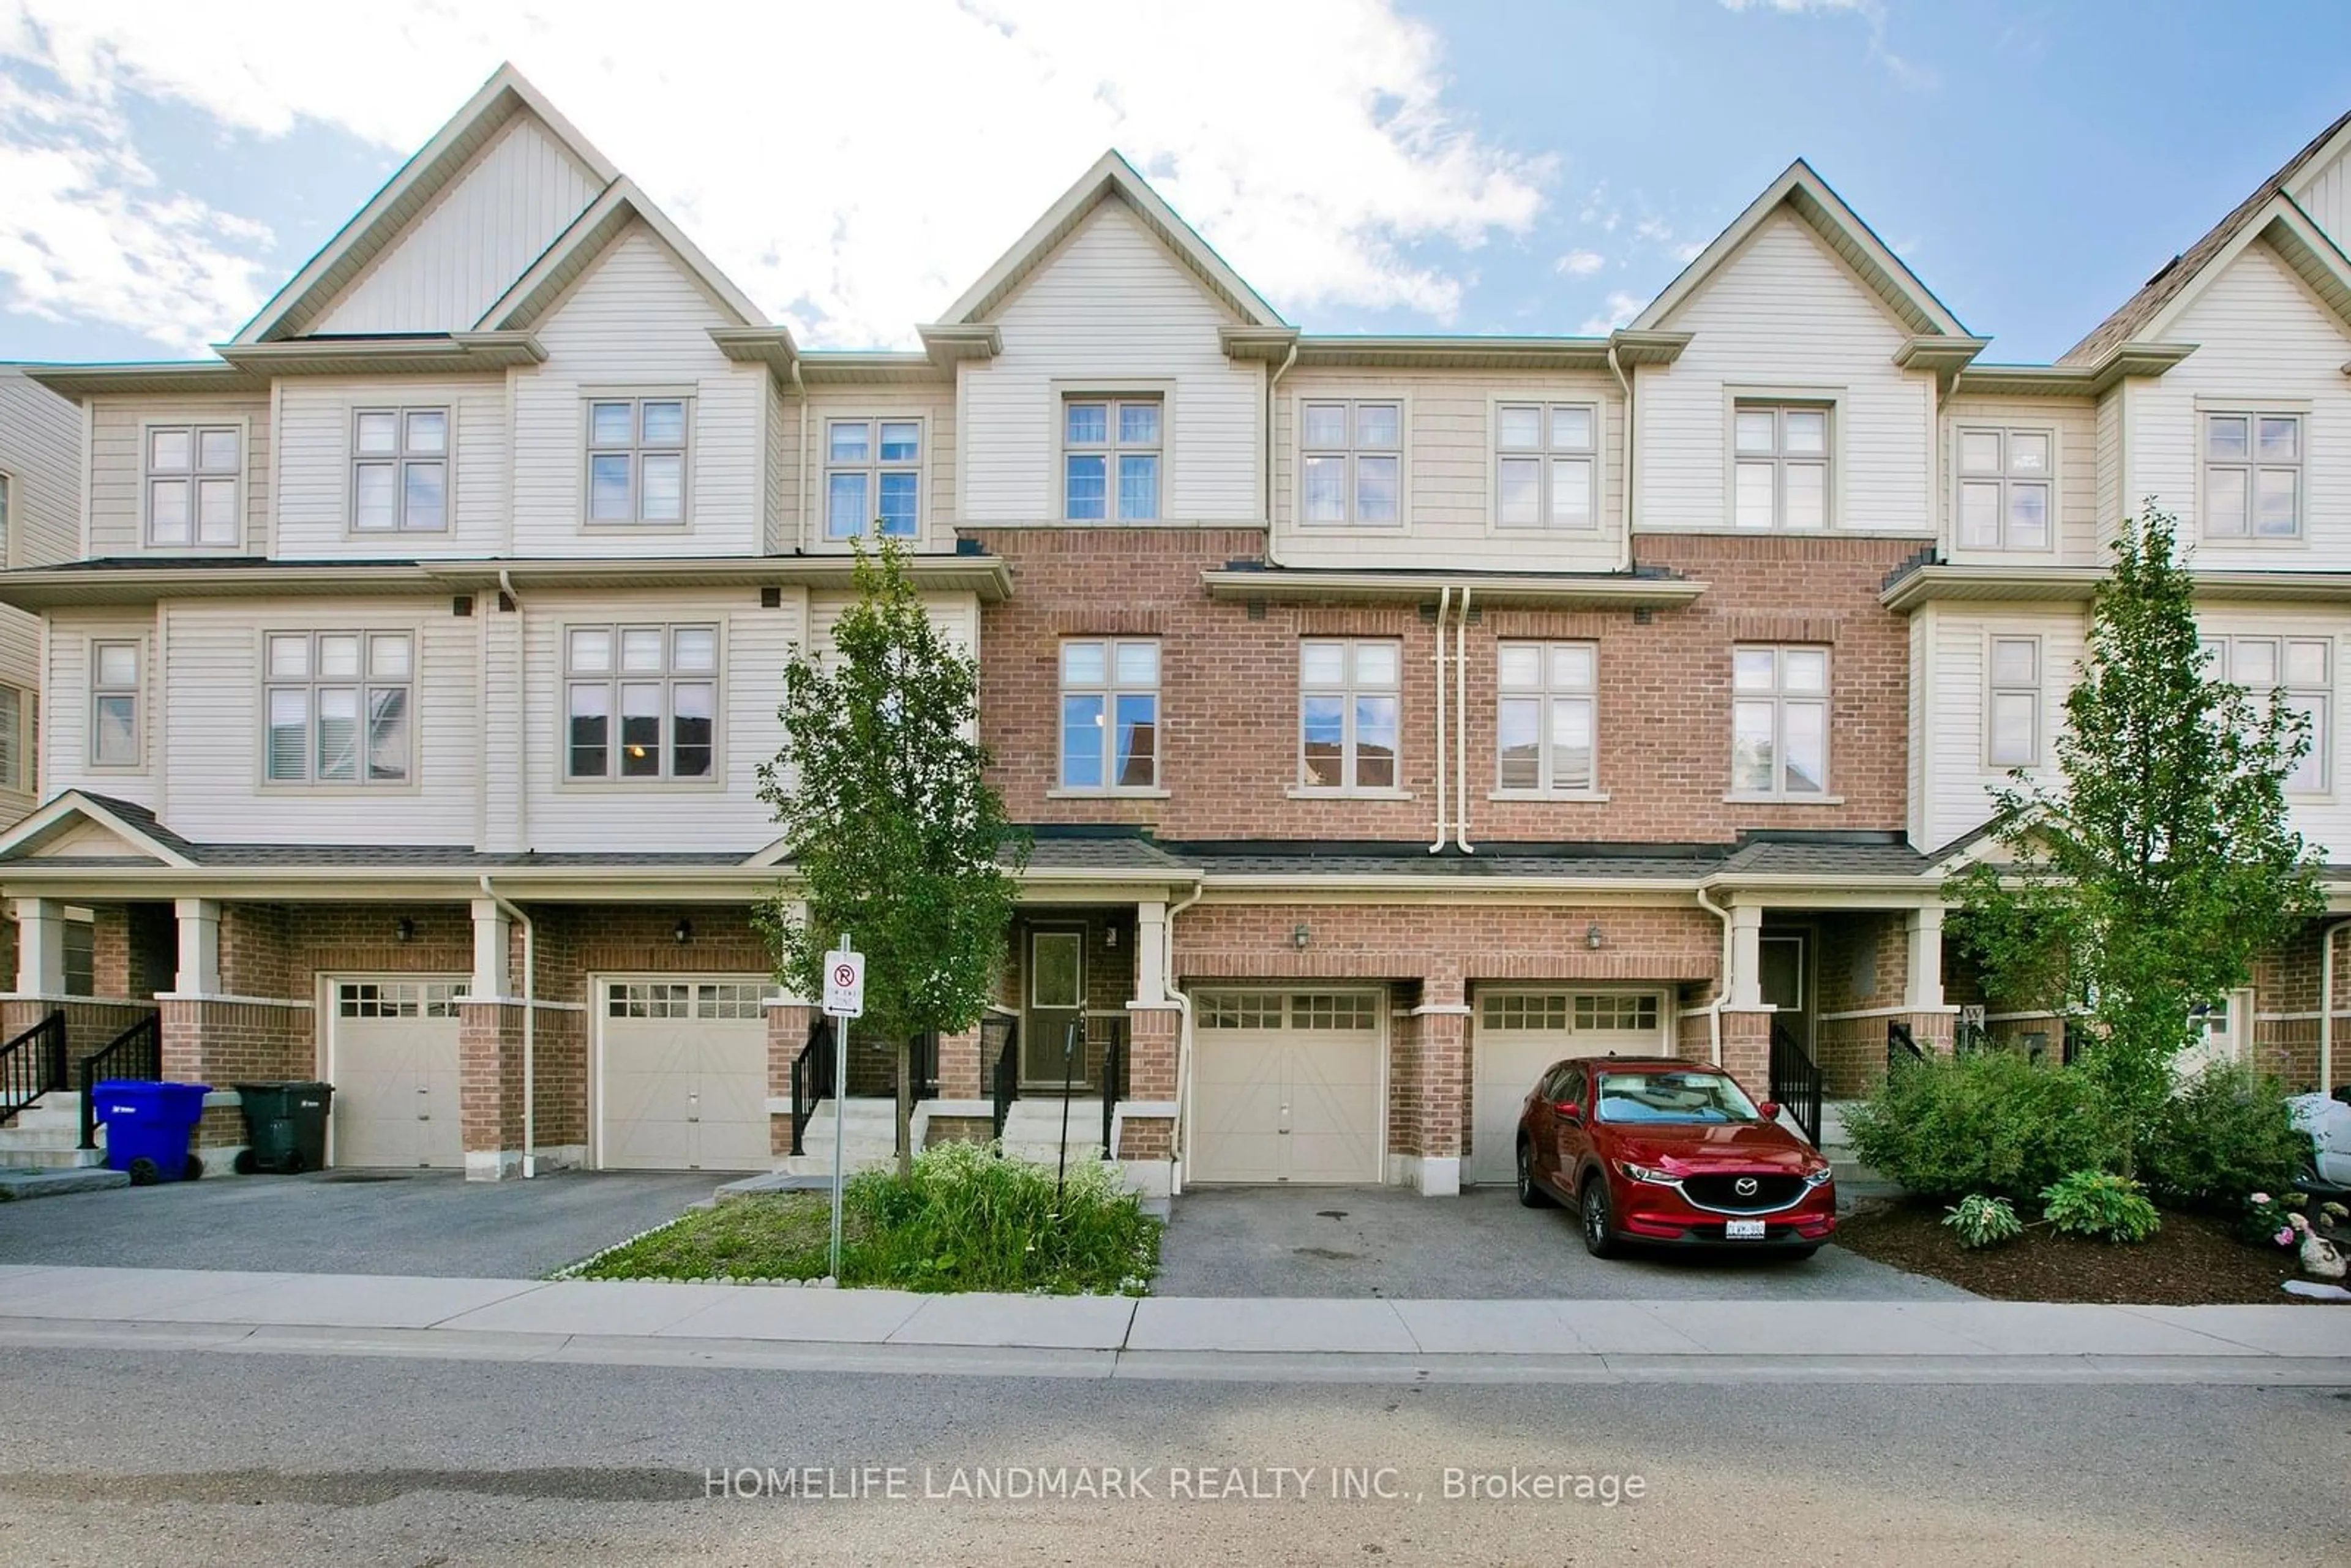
(345, 1222)
(236, 1460)
(1386, 1242)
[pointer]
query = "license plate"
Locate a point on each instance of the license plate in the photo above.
(1742, 1230)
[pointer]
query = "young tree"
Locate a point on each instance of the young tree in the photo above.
(2142, 879)
(896, 838)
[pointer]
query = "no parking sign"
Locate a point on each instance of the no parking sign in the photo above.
(845, 984)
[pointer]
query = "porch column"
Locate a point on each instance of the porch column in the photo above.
(199, 931)
(493, 968)
(40, 948)
(1746, 978)
(1924, 989)
(1150, 951)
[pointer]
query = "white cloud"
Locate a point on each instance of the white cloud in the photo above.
(1580, 263)
(1622, 307)
(1908, 72)
(854, 168)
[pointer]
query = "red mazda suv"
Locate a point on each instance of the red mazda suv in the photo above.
(1657, 1150)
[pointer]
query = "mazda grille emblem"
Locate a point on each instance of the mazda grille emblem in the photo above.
(1744, 1187)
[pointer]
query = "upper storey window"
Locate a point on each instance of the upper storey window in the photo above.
(1112, 451)
(1350, 461)
(643, 702)
(1546, 466)
(192, 485)
(1781, 465)
(2004, 494)
(400, 470)
(339, 707)
(1779, 723)
(2253, 476)
(872, 478)
(636, 460)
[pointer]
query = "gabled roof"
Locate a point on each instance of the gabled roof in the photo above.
(1111, 178)
(589, 236)
(2139, 315)
(406, 195)
(1808, 196)
(136, 836)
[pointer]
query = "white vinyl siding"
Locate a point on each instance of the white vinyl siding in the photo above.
(1546, 466)
(930, 408)
(1350, 463)
(1547, 718)
(1786, 320)
(1111, 309)
(117, 467)
(1953, 757)
(318, 483)
(1779, 723)
(2076, 434)
(480, 236)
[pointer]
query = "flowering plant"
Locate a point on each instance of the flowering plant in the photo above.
(2275, 1221)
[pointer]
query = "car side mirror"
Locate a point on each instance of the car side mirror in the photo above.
(1569, 1111)
(1768, 1110)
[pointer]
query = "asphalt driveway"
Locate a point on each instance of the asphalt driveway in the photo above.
(350, 1222)
(1391, 1242)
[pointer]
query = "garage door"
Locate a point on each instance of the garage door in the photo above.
(392, 1055)
(1286, 1087)
(1519, 1033)
(683, 1079)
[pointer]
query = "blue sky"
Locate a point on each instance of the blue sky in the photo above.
(1502, 167)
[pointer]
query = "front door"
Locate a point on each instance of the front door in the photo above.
(1784, 976)
(1057, 1004)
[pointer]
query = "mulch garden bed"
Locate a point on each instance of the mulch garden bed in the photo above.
(2192, 1261)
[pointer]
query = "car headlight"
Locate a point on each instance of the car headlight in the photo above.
(1650, 1175)
(1819, 1177)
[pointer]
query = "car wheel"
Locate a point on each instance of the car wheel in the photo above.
(1531, 1191)
(1598, 1225)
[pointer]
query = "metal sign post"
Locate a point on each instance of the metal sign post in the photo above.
(845, 998)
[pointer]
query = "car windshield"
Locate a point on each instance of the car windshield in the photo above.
(1686, 1097)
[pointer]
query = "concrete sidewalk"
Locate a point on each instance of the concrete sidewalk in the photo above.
(1480, 1340)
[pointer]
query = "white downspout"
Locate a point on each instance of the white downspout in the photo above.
(1624, 553)
(2327, 1007)
(1461, 730)
(800, 479)
(1182, 1042)
(530, 1026)
(1443, 603)
(522, 702)
(1273, 555)
(1722, 988)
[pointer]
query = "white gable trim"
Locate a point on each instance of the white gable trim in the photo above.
(73, 809)
(404, 198)
(1111, 176)
(2299, 243)
(1840, 228)
(577, 250)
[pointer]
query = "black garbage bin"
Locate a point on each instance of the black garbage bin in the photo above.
(285, 1126)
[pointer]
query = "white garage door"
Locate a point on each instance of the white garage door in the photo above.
(392, 1055)
(684, 1075)
(1286, 1087)
(1519, 1033)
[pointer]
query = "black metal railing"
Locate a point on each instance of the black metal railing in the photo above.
(999, 1050)
(1113, 1081)
(1970, 1036)
(922, 1058)
(33, 1065)
(1901, 1046)
(812, 1077)
(1796, 1081)
(137, 1053)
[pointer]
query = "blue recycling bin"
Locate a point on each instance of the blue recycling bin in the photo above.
(148, 1126)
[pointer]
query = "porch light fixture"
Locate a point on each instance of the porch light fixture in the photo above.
(684, 932)
(1592, 935)
(405, 930)
(1299, 935)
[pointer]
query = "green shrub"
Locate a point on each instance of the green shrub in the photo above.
(2101, 1205)
(2222, 1136)
(1979, 1221)
(1989, 1122)
(969, 1219)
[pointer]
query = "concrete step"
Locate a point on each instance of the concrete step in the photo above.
(18, 1185)
(62, 1159)
(1076, 1151)
(14, 1139)
(49, 1111)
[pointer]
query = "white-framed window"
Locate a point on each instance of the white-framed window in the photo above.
(1350, 461)
(115, 669)
(2252, 475)
(1110, 712)
(400, 470)
(2007, 495)
(1112, 451)
(1348, 712)
(1546, 717)
(641, 702)
(1547, 465)
(1778, 722)
(398, 999)
(15, 739)
(339, 705)
(872, 478)
(2299, 672)
(636, 460)
(80, 943)
(2013, 708)
(191, 485)
(1779, 465)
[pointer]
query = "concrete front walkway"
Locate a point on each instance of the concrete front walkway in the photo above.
(1488, 1341)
